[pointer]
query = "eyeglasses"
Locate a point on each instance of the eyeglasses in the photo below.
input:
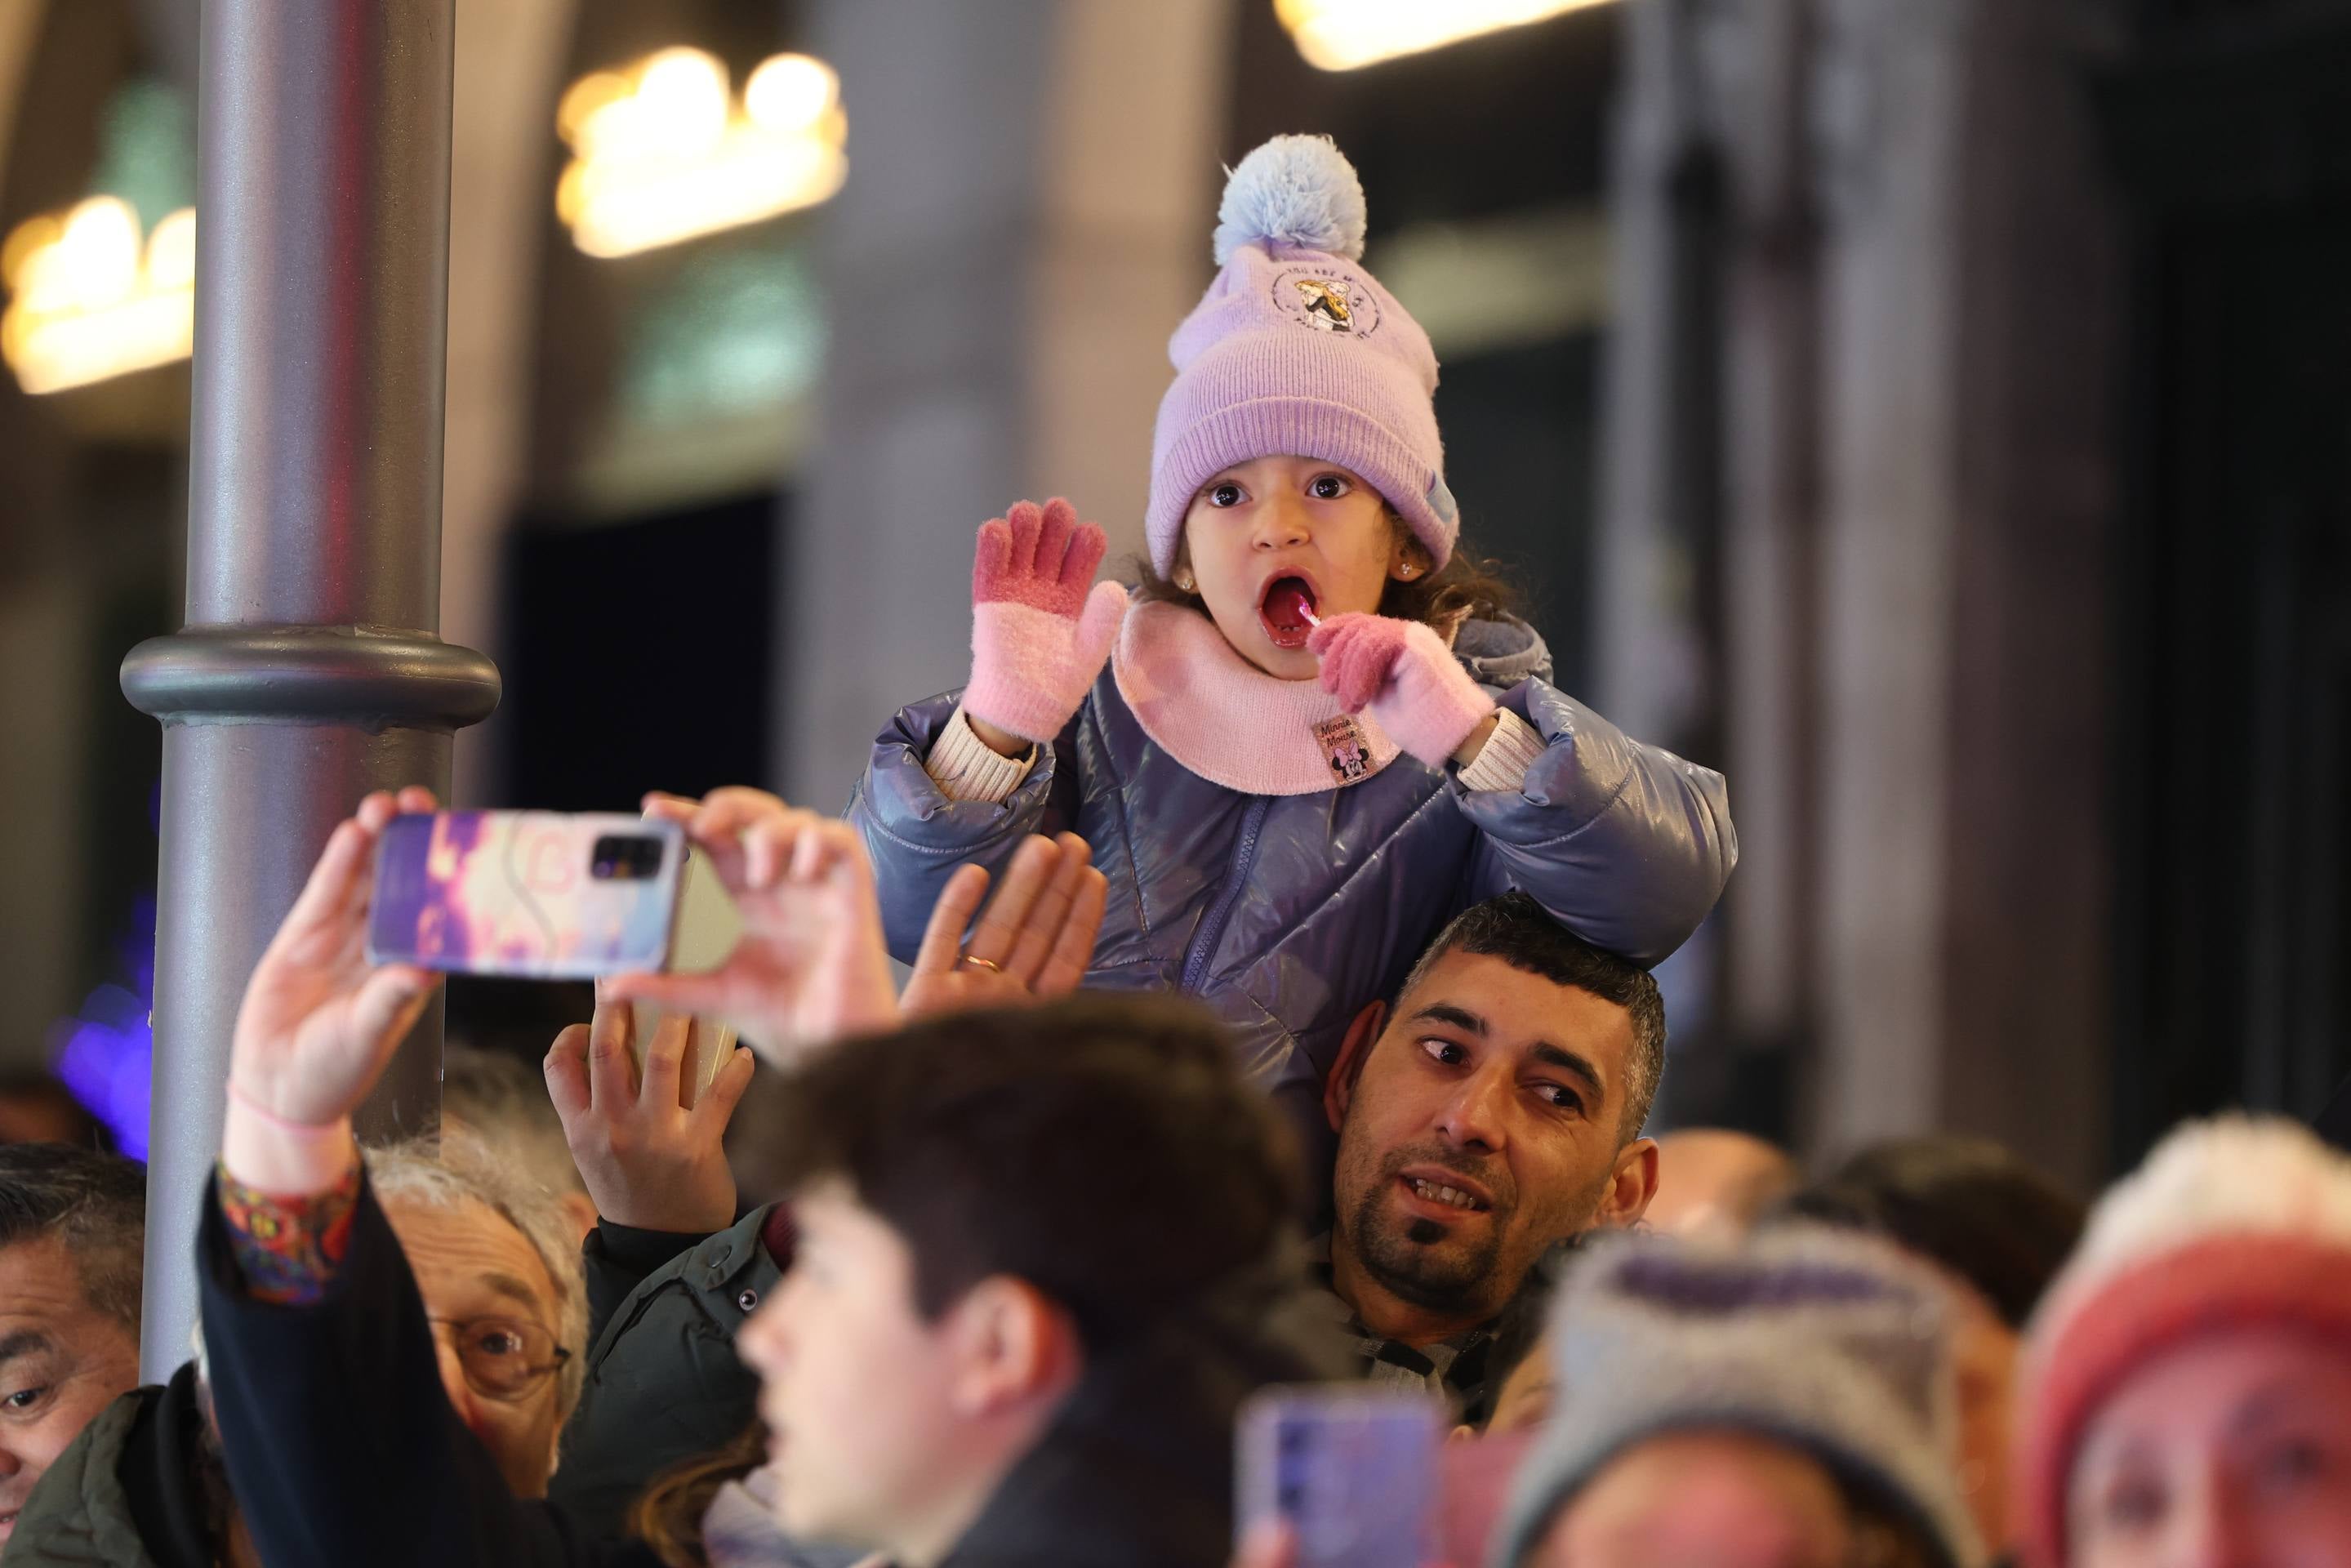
(503, 1358)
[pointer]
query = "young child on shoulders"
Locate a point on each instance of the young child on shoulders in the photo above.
(1319, 735)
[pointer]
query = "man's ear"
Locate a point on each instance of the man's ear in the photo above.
(1354, 1050)
(1631, 1185)
(1013, 1345)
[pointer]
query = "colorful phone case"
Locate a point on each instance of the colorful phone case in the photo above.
(532, 893)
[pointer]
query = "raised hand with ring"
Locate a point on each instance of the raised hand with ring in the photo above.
(1034, 940)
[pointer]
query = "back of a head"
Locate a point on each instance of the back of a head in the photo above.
(35, 1108)
(1967, 1204)
(96, 1204)
(1717, 1178)
(1104, 1149)
(1519, 931)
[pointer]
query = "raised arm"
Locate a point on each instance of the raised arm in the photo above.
(1626, 844)
(341, 1446)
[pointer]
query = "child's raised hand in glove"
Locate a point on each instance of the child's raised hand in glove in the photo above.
(1039, 634)
(1406, 676)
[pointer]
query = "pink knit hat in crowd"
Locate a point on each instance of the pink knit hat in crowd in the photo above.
(2231, 1221)
(1296, 350)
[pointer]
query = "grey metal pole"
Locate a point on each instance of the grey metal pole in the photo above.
(309, 671)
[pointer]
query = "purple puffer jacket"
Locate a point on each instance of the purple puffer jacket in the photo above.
(1287, 914)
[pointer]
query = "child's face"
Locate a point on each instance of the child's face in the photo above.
(1293, 520)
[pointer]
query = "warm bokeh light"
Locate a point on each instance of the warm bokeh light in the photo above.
(89, 301)
(1341, 35)
(662, 151)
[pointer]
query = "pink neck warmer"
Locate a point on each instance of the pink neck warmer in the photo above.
(1231, 721)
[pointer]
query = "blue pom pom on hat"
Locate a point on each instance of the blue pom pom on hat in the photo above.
(1296, 350)
(1298, 190)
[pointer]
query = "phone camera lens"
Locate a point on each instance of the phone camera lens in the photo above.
(630, 858)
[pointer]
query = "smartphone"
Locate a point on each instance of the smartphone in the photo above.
(702, 935)
(1349, 1468)
(538, 894)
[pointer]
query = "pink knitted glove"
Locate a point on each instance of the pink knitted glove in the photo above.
(1402, 671)
(1037, 637)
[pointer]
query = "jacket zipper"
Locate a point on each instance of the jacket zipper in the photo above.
(1204, 941)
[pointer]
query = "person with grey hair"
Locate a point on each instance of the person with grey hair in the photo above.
(145, 1485)
(496, 1261)
(72, 1232)
(502, 1100)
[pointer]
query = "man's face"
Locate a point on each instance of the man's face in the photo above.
(2234, 1448)
(61, 1362)
(486, 1289)
(856, 1389)
(1482, 1130)
(1703, 1500)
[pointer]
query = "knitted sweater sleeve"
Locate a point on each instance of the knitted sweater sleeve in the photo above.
(966, 768)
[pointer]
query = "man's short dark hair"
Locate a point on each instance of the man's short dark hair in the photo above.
(1967, 1203)
(1104, 1149)
(96, 1204)
(1522, 932)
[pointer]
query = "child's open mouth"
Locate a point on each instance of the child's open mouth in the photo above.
(1288, 612)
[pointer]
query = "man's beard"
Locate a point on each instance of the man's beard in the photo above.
(1408, 1255)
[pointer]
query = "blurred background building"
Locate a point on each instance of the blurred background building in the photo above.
(1932, 412)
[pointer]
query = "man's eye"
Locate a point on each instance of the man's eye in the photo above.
(23, 1399)
(1327, 487)
(498, 1342)
(1560, 1095)
(1445, 1050)
(1225, 495)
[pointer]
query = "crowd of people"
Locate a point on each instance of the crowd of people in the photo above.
(1278, 1012)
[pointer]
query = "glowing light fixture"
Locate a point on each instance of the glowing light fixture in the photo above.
(1341, 35)
(90, 300)
(662, 152)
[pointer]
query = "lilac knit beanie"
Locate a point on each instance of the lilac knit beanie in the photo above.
(1297, 351)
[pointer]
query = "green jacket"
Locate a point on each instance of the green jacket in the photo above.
(679, 1392)
(129, 1492)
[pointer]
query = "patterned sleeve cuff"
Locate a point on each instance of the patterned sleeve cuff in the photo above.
(289, 1248)
(1502, 762)
(966, 767)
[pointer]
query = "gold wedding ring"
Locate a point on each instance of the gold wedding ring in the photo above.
(989, 965)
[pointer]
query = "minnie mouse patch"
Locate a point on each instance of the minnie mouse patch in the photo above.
(1348, 754)
(1326, 302)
